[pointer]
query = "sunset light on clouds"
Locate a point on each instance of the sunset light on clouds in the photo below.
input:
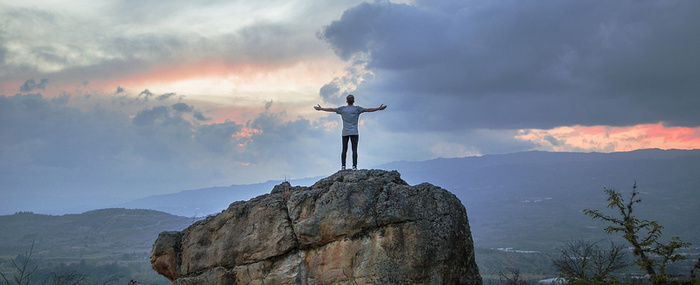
(613, 139)
(139, 98)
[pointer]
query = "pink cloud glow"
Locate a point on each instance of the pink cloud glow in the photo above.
(176, 72)
(613, 139)
(241, 76)
(246, 133)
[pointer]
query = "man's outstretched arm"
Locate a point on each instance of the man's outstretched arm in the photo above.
(319, 108)
(382, 107)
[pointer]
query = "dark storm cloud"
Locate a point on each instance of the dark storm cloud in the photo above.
(31, 85)
(515, 64)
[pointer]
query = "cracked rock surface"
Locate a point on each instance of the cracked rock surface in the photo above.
(353, 227)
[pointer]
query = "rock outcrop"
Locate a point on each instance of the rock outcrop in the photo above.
(354, 227)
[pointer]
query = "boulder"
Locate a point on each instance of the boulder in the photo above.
(353, 227)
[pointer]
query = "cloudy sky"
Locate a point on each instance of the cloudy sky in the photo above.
(125, 99)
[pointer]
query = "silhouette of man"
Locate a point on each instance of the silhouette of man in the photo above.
(350, 115)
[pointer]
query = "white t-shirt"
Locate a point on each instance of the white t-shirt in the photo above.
(350, 115)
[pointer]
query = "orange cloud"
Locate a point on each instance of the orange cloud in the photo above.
(246, 133)
(243, 137)
(610, 139)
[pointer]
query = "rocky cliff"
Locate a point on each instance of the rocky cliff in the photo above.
(354, 227)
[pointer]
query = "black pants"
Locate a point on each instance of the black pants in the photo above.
(355, 139)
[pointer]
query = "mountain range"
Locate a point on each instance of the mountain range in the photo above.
(527, 200)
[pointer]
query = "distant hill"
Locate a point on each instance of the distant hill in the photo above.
(535, 199)
(207, 201)
(93, 234)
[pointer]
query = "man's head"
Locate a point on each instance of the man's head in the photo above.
(350, 99)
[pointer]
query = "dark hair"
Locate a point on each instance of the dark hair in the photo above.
(350, 99)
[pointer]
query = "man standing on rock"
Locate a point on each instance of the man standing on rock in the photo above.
(350, 115)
